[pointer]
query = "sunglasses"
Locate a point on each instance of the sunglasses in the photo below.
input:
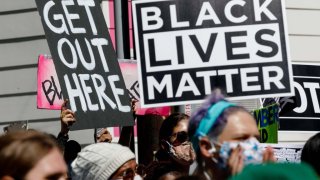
(179, 137)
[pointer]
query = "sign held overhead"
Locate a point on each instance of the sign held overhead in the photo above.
(186, 48)
(86, 62)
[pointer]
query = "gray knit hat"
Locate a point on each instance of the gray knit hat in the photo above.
(99, 161)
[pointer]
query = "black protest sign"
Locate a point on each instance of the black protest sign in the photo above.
(186, 48)
(304, 114)
(286, 104)
(86, 63)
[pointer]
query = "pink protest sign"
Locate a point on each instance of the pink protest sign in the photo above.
(49, 94)
(130, 75)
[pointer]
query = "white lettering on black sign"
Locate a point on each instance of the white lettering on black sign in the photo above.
(305, 111)
(86, 62)
(188, 47)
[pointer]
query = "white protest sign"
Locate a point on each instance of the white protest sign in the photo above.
(286, 152)
(186, 48)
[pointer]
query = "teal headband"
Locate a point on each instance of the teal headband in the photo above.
(209, 120)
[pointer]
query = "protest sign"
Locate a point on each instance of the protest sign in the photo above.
(290, 153)
(86, 62)
(130, 75)
(305, 109)
(286, 104)
(49, 95)
(268, 123)
(186, 48)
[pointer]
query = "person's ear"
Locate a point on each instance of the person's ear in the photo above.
(205, 147)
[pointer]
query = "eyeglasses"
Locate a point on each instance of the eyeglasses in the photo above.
(129, 173)
(179, 137)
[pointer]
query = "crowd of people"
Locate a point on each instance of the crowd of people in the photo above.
(219, 141)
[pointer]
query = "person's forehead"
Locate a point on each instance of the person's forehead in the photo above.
(53, 161)
(181, 126)
(51, 164)
(129, 164)
(239, 124)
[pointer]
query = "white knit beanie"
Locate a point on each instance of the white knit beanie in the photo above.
(99, 161)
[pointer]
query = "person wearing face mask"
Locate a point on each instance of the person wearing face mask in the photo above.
(176, 152)
(224, 137)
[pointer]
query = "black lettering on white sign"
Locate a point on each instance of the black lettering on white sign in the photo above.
(186, 48)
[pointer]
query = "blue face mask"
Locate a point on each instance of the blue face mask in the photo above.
(252, 152)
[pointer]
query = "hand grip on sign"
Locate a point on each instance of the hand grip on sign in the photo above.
(134, 107)
(67, 117)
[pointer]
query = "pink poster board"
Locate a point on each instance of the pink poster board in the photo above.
(130, 75)
(49, 94)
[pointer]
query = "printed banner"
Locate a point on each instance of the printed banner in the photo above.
(303, 110)
(49, 95)
(186, 48)
(86, 63)
(290, 153)
(268, 123)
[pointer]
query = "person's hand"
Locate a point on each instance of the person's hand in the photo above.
(104, 136)
(134, 106)
(268, 155)
(235, 162)
(67, 118)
